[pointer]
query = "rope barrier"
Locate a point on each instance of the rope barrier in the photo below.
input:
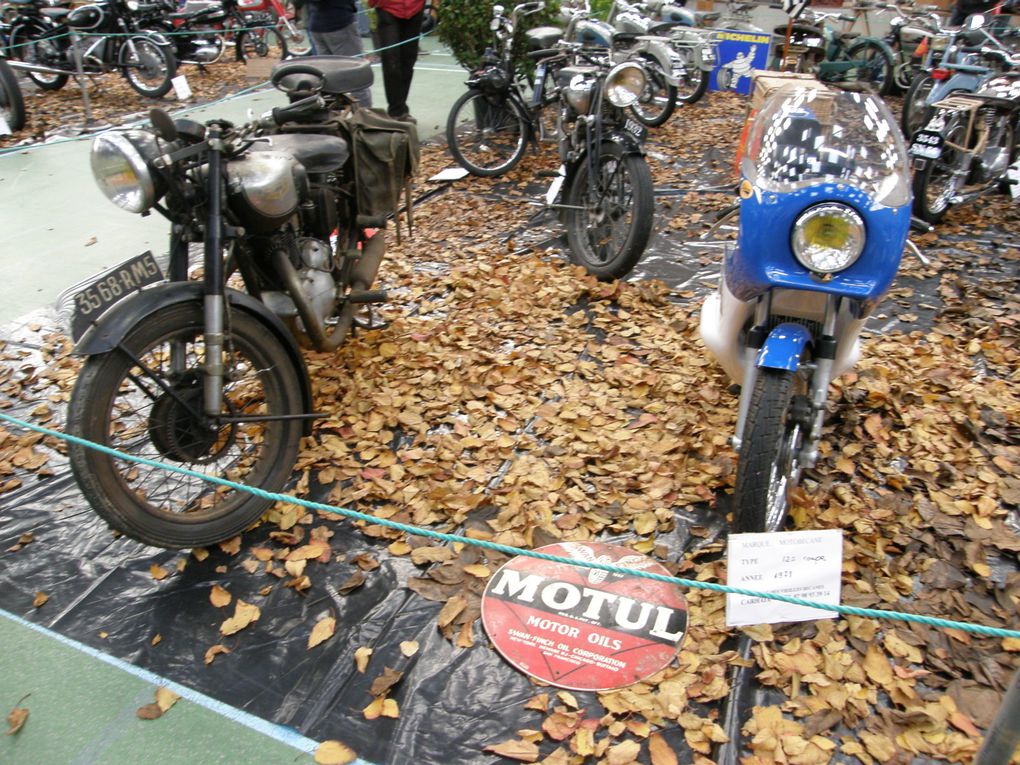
(868, 613)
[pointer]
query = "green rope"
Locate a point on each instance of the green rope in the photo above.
(868, 613)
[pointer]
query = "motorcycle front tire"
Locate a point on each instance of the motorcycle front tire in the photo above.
(936, 182)
(131, 400)
(12, 105)
(150, 69)
(608, 230)
(695, 83)
(658, 101)
(916, 111)
(487, 135)
(767, 468)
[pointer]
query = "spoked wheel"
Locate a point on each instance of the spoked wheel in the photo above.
(873, 66)
(149, 68)
(915, 111)
(43, 53)
(694, 82)
(487, 135)
(936, 183)
(768, 469)
(12, 105)
(609, 220)
(658, 100)
(264, 42)
(145, 399)
(299, 41)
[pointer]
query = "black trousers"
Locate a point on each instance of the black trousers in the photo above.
(398, 40)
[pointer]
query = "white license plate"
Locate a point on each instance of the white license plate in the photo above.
(926, 144)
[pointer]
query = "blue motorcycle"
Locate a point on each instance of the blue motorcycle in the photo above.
(824, 217)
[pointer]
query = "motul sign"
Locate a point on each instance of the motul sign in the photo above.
(582, 628)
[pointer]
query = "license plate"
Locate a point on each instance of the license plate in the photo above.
(110, 287)
(636, 129)
(926, 144)
(708, 55)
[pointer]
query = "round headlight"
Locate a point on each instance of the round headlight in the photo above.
(828, 238)
(625, 84)
(122, 173)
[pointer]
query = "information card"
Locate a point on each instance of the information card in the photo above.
(797, 564)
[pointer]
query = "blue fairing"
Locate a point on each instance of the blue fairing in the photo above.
(764, 256)
(784, 347)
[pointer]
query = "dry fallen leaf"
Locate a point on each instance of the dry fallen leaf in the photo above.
(17, 716)
(244, 614)
(523, 751)
(661, 753)
(361, 657)
(40, 599)
(322, 631)
(409, 647)
(215, 651)
(219, 597)
(166, 698)
(334, 753)
(158, 572)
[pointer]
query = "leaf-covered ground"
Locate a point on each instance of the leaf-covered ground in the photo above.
(512, 397)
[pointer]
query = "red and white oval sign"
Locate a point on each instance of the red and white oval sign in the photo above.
(584, 629)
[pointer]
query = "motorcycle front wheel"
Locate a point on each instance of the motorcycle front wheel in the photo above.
(487, 135)
(658, 100)
(937, 182)
(694, 83)
(916, 111)
(12, 105)
(261, 43)
(149, 68)
(144, 398)
(768, 469)
(609, 218)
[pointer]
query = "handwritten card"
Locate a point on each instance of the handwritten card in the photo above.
(798, 564)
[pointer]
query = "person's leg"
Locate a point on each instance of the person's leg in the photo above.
(387, 27)
(410, 30)
(344, 42)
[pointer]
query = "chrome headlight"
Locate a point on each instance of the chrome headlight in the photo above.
(625, 84)
(828, 238)
(121, 170)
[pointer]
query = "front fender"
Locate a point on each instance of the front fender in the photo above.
(665, 57)
(113, 326)
(784, 347)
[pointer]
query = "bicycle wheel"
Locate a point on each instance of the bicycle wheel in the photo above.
(147, 402)
(873, 65)
(487, 135)
(609, 219)
(264, 42)
(12, 106)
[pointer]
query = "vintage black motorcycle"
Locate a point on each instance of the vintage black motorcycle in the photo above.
(603, 189)
(109, 40)
(203, 370)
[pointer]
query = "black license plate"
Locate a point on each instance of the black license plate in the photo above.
(111, 287)
(636, 129)
(926, 144)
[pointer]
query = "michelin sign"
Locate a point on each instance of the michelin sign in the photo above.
(739, 54)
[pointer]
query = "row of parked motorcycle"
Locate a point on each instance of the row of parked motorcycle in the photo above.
(613, 79)
(145, 41)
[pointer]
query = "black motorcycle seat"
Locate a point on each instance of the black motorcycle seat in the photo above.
(340, 74)
(662, 28)
(318, 153)
(56, 14)
(541, 38)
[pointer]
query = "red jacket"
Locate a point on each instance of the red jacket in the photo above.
(402, 9)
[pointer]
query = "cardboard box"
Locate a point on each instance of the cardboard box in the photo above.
(767, 83)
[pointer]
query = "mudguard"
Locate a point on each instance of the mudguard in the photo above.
(784, 347)
(667, 59)
(113, 326)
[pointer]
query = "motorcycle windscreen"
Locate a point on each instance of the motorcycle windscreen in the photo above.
(804, 136)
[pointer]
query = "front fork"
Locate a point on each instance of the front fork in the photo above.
(824, 354)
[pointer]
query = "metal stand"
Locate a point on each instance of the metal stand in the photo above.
(1004, 733)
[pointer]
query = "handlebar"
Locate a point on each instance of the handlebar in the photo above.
(292, 112)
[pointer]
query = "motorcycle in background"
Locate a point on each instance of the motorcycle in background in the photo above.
(109, 40)
(969, 146)
(206, 373)
(824, 216)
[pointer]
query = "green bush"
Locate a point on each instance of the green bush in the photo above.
(464, 27)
